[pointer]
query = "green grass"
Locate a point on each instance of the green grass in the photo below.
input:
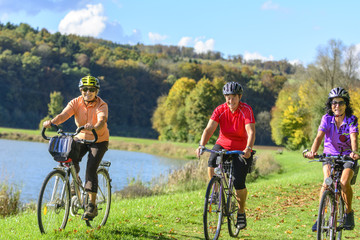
(279, 206)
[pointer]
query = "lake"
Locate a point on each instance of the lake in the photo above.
(26, 164)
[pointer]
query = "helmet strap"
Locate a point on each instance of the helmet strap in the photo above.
(90, 101)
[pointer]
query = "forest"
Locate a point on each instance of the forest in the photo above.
(167, 92)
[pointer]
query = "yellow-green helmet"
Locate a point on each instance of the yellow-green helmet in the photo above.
(89, 81)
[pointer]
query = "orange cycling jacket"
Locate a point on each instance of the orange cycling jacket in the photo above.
(86, 114)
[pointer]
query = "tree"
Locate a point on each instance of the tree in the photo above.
(263, 129)
(169, 119)
(199, 106)
(351, 66)
(54, 107)
(329, 61)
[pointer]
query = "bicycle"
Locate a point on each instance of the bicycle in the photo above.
(220, 197)
(55, 201)
(331, 215)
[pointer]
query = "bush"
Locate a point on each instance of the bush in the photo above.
(136, 188)
(9, 200)
(266, 164)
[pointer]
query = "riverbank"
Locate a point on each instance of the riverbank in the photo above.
(184, 151)
(166, 149)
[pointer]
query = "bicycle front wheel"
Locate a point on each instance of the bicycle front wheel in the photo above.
(326, 227)
(54, 202)
(232, 210)
(103, 199)
(340, 218)
(213, 209)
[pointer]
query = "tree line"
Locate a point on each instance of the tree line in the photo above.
(165, 92)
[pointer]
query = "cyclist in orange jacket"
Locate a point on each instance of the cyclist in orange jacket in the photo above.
(91, 112)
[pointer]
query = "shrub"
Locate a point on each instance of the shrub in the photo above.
(9, 200)
(266, 164)
(136, 188)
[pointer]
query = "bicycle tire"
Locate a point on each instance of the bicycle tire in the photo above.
(103, 199)
(325, 228)
(340, 218)
(232, 208)
(53, 206)
(213, 209)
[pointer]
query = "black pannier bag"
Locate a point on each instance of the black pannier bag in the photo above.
(63, 148)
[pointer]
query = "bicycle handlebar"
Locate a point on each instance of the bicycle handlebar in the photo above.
(60, 131)
(330, 158)
(223, 151)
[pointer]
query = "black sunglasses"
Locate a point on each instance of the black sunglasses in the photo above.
(341, 103)
(88, 89)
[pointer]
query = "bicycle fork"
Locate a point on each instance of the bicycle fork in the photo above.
(334, 213)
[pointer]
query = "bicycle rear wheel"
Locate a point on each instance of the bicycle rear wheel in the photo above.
(232, 208)
(213, 209)
(326, 227)
(54, 202)
(103, 199)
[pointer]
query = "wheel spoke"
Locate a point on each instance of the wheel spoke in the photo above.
(213, 209)
(53, 203)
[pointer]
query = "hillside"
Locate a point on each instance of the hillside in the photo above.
(35, 63)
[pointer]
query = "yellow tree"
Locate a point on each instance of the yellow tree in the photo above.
(355, 100)
(169, 118)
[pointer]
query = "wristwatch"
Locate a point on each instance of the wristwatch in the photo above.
(248, 147)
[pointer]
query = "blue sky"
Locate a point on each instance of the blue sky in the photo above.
(256, 29)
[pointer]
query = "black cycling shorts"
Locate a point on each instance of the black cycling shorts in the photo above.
(240, 168)
(347, 165)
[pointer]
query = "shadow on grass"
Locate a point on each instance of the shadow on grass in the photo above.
(138, 232)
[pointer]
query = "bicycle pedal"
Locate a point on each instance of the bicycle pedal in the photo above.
(86, 218)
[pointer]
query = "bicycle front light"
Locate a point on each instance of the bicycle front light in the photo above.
(217, 171)
(328, 181)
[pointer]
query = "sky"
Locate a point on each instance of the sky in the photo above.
(256, 29)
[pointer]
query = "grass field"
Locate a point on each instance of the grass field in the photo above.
(280, 206)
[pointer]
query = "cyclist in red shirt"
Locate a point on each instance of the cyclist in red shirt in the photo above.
(237, 132)
(91, 112)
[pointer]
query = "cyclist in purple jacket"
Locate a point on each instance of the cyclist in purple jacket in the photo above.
(340, 128)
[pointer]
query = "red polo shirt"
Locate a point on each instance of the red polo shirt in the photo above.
(233, 135)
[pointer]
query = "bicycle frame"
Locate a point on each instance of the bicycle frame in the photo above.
(335, 188)
(69, 170)
(220, 192)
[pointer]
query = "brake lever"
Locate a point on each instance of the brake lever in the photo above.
(242, 159)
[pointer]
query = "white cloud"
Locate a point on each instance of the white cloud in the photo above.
(185, 42)
(257, 56)
(156, 37)
(85, 22)
(295, 62)
(357, 48)
(204, 47)
(198, 45)
(269, 5)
